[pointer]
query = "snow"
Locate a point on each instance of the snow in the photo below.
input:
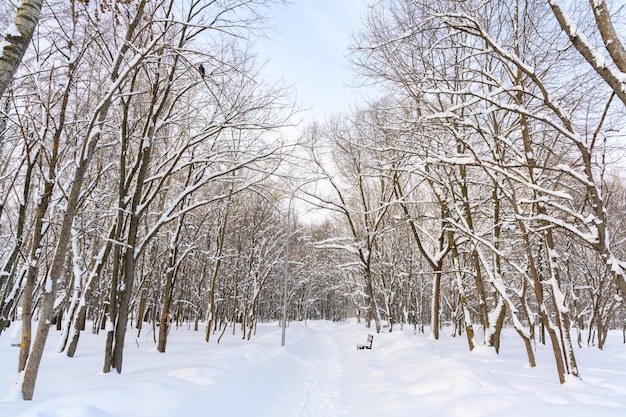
(4, 44)
(12, 30)
(48, 285)
(318, 373)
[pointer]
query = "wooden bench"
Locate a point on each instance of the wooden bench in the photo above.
(370, 339)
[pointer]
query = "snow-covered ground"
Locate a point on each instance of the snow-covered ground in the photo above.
(318, 373)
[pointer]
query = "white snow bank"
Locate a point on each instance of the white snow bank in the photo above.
(318, 373)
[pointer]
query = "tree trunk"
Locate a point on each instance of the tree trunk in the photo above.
(469, 222)
(170, 282)
(458, 273)
(109, 322)
(77, 320)
(214, 275)
(16, 43)
(494, 334)
(436, 306)
(129, 258)
(373, 306)
(32, 272)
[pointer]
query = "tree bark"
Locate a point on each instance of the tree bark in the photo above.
(458, 274)
(170, 283)
(212, 319)
(15, 44)
(611, 41)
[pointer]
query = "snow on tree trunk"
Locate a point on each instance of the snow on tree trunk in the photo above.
(16, 40)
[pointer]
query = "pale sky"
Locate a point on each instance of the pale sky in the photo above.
(309, 48)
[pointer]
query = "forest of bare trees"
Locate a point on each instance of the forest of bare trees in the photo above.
(145, 176)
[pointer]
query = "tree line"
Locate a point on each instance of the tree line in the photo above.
(487, 157)
(145, 178)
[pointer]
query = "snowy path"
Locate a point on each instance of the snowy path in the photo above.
(319, 394)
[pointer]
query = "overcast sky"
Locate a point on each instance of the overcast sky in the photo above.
(308, 50)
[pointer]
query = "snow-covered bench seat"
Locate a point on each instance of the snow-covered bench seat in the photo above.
(370, 339)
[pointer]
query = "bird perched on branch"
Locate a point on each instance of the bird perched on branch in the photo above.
(202, 71)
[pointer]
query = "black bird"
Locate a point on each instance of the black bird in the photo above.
(202, 71)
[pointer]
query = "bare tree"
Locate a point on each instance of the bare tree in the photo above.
(613, 73)
(362, 202)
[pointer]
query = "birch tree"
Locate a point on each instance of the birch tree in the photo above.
(17, 38)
